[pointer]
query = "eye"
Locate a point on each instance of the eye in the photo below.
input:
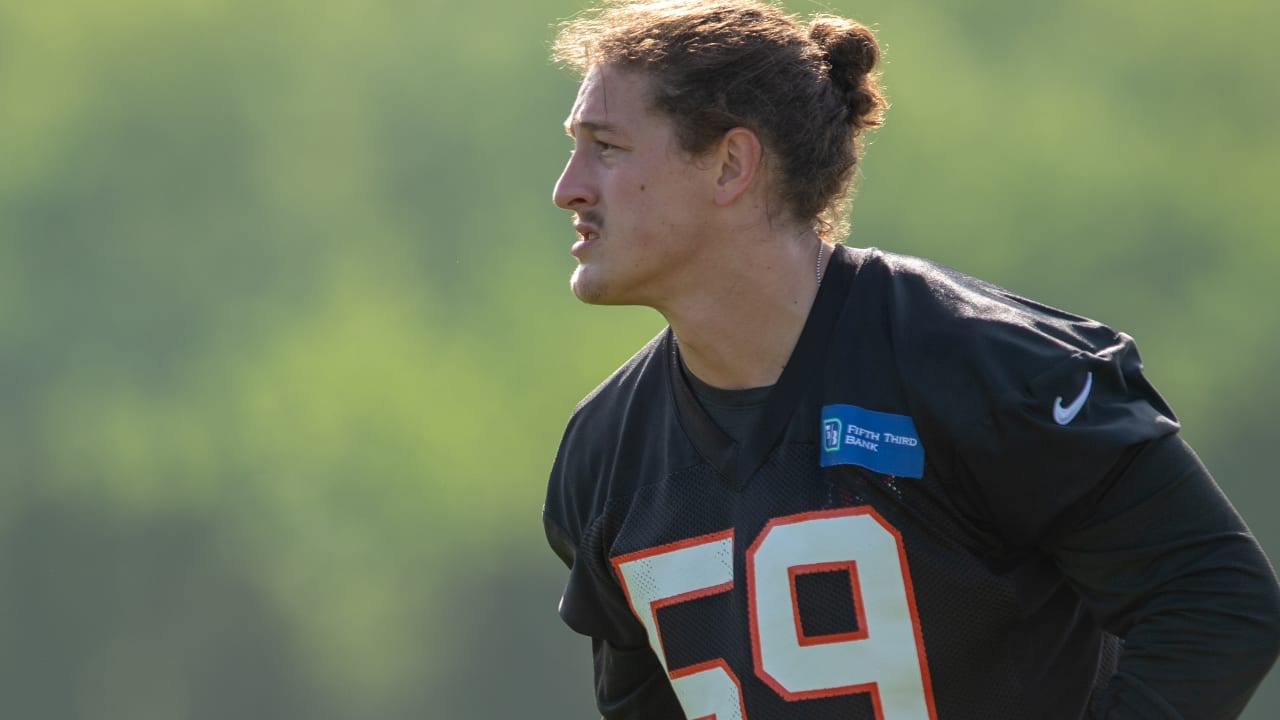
(602, 146)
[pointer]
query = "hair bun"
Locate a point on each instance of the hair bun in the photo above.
(849, 47)
(851, 53)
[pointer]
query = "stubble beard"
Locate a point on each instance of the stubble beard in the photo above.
(592, 291)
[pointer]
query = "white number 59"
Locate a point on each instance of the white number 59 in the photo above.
(883, 657)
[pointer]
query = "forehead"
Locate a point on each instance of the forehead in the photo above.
(611, 98)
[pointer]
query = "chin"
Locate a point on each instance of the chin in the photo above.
(590, 294)
(591, 290)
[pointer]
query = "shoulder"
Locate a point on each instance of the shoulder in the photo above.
(918, 289)
(594, 443)
(604, 409)
(948, 325)
(1029, 406)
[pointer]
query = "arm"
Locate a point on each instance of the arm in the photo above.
(630, 683)
(1128, 512)
(1163, 560)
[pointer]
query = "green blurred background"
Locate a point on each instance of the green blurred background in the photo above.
(286, 344)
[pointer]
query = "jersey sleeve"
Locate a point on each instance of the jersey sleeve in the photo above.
(630, 683)
(576, 523)
(580, 519)
(1024, 407)
(1045, 423)
(1161, 558)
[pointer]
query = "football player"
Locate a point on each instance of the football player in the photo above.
(845, 483)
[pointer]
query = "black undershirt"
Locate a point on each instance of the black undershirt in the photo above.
(734, 411)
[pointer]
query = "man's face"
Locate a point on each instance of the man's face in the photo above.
(640, 203)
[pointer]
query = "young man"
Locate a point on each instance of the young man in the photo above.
(845, 483)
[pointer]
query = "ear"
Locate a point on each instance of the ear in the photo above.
(738, 157)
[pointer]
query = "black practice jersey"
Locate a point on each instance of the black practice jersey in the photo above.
(932, 518)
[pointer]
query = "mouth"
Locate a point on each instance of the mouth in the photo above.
(587, 236)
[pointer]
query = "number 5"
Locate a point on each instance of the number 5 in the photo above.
(677, 573)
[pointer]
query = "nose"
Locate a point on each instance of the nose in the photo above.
(575, 189)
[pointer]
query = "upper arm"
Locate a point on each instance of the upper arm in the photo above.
(631, 684)
(1161, 558)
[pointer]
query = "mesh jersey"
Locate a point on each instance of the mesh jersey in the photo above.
(806, 573)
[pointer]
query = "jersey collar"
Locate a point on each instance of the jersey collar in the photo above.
(738, 463)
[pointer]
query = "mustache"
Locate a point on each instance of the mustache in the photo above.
(592, 218)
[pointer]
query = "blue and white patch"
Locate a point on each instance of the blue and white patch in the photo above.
(881, 442)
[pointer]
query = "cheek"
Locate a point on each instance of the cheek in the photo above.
(642, 204)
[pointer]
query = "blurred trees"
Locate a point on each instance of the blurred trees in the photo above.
(286, 345)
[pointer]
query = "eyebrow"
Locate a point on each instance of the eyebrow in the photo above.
(592, 127)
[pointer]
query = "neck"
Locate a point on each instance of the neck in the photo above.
(737, 328)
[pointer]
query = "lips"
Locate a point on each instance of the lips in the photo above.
(588, 236)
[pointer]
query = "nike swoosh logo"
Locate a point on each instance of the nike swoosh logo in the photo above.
(1063, 415)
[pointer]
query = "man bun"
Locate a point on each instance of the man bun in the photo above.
(851, 52)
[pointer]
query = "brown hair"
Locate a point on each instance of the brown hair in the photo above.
(808, 93)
